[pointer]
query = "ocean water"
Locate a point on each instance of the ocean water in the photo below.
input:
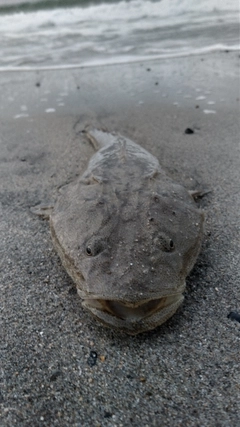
(42, 34)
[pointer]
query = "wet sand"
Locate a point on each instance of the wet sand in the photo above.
(59, 366)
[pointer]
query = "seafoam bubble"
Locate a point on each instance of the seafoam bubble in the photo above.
(19, 116)
(209, 111)
(50, 110)
(200, 98)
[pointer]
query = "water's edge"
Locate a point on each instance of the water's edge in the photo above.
(60, 34)
(203, 51)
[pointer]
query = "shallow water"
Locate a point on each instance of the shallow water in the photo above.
(62, 34)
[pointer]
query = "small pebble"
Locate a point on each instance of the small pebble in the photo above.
(233, 315)
(92, 360)
(107, 414)
(55, 375)
(189, 131)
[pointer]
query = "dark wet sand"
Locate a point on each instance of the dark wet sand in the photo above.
(185, 373)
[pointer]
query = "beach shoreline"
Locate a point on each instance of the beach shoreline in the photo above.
(183, 373)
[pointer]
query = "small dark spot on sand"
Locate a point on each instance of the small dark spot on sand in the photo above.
(148, 69)
(72, 290)
(189, 131)
(92, 360)
(148, 394)
(233, 315)
(107, 414)
(130, 376)
(38, 84)
(55, 375)
(156, 83)
(78, 87)
(196, 106)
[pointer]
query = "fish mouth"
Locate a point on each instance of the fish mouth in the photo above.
(129, 311)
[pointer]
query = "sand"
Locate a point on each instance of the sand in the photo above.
(59, 366)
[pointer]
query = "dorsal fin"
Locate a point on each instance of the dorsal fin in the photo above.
(122, 148)
(100, 138)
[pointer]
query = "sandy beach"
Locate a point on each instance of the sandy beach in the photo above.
(59, 366)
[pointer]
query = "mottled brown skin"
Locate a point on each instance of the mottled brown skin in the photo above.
(128, 235)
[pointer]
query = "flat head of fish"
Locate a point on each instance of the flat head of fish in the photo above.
(128, 235)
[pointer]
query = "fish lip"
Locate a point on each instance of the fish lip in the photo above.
(130, 299)
(129, 311)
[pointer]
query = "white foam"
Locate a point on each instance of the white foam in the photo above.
(209, 111)
(19, 116)
(114, 33)
(50, 110)
(121, 60)
(200, 98)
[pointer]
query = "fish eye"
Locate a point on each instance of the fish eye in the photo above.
(94, 247)
(169, 245)
(89, 251)
(164, 243)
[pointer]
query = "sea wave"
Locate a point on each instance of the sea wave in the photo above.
(107, 33)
